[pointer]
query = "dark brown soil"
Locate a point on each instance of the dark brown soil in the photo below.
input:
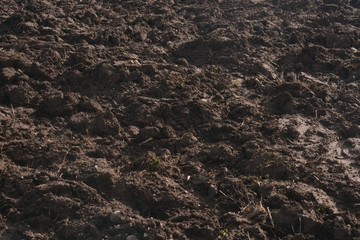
(170, 119)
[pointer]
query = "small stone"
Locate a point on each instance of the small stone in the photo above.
(212, 191)
(6, 74)
(133, 131)
(149, 69)
(117, 237)
(53, 104)
(90, 105)
(131, 237)
(20, 94)
(115, 217)
(188, 139)
(182, 61)
(290, 77)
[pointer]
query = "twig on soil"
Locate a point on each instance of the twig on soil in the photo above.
(271, 229)
(223, 193)
(3, 155)
(316, 178)
(249, 200)
(248, 235)
(300, 224)
(293, 229)
(146, 141)
(271, 219)
(13, 115)
(149, 213)
(243, 209)
(229, 197)
(51, 235)
(63, 161)
(12, 110)
(237, 191)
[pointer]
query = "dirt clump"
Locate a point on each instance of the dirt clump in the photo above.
(190, 119)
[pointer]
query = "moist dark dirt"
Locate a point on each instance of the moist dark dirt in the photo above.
(179, 119)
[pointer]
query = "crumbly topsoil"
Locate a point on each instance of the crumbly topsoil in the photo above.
(179, 119)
